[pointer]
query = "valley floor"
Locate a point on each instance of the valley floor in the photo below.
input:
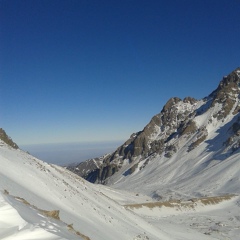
(215, 222)
(179, 220)
(199, 219)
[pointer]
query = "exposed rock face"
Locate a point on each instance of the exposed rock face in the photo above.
(164, 135)
(4, 137)
(227, 95)
(233, 142)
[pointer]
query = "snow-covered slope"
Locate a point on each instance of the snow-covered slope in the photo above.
(21, 221)
(81, 205)
(190, 149)
(42, 201)
(208, 170)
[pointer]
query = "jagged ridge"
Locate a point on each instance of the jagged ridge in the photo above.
(179, 119)
(4, 137)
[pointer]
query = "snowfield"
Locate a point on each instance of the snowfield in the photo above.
(81, 205)
(19, 221)
(29, 188)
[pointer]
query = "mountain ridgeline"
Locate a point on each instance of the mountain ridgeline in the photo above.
(181, 123)
(4, 137)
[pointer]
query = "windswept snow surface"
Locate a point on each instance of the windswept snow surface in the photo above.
(80, 203)
(20, 221)
(96, 211)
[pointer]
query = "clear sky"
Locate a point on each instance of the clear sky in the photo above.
(96, 70)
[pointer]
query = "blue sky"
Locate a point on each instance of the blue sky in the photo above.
(87, 71)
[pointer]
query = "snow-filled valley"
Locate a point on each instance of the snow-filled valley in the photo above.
(29, 188)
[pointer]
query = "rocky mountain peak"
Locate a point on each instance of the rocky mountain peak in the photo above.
(170, 103)
(230, 83)
(227, 95)
(180, 123)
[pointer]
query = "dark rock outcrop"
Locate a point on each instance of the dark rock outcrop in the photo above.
(4, 137)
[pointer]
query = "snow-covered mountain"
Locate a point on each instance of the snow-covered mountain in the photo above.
(189, 149)
(44, 201)
(177, 179)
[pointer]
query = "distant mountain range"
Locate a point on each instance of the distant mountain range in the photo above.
(186, 140)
